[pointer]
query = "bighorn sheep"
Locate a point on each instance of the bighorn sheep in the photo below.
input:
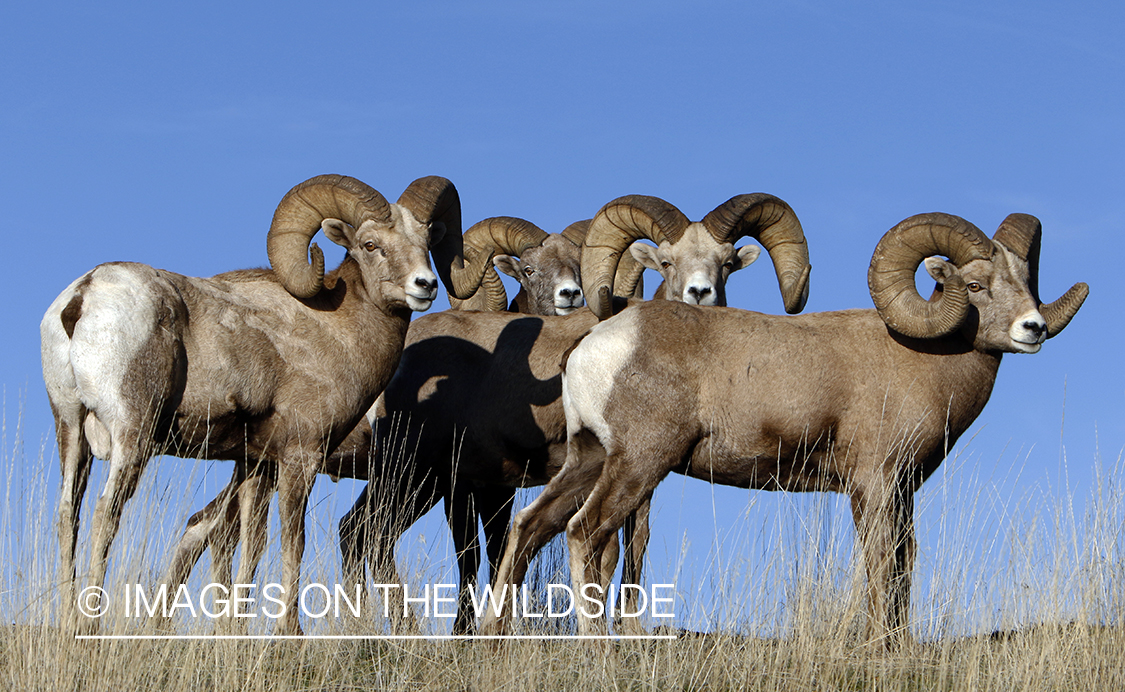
(866, 402)
(476, 402)
(546, 265)
(253, 366)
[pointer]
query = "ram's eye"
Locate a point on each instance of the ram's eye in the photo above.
(528, 271)
(664, 264)
(728, 265)
(370, 246)
(974, 286)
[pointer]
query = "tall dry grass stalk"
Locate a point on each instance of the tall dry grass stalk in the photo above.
(1025, 593)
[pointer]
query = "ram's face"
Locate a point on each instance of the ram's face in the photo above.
(549, 274)
(394, 258)
(695, 268)
(1006, 316)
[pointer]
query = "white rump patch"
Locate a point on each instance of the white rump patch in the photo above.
(119, 314)
(592, 370)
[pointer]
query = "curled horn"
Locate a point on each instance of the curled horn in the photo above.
(890, 276)
(1059, 313)
(299, 266)
(771, 222)
(627, 282)
(504, 234)
(489, 297)
(1022, 234)
(615, 227)
(434, 202)
(576, 232)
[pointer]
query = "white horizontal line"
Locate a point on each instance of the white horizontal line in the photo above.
(282, 637)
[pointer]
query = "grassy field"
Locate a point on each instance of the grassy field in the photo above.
(1049, 657)
(1058, 580)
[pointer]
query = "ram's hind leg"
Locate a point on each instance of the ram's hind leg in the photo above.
(130, 453)
(542, 520)
(128, 361)
(625, 485)
(635, 534)
(142, 420)
(75, 459)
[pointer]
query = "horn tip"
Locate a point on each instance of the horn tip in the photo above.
(604, 304)
(798, 295)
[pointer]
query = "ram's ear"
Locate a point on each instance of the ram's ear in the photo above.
(338, 231)
(747, 255)
(646, 255)
(939, 270)
(507, 264)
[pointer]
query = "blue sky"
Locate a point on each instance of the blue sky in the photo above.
(167, 134)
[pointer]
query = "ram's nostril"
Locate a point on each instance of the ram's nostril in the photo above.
(699, 292)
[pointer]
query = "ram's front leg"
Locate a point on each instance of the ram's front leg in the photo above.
(215, 523)
(883, 511)
(253, 512)
(494, 504)
(353, 531)
(461, 514)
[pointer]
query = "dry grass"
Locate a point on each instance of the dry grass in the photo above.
(1060, 583)
(1042, 658)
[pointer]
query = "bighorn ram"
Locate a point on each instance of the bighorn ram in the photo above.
(253, 366)
(475, 404)
(546, 266)
(866, 402)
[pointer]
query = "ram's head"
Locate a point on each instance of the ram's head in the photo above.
(988, 287)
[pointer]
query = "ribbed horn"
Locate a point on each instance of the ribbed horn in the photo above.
(890, 276)
(299, 266)
(628, 280)
(434, 200)
(771, 222)
(615, 227)
(499, 234)
(490, 297)
(1059, 313)
(1023, 235)
(576, 232)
